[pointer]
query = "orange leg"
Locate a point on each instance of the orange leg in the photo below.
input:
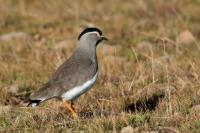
(72, 105)
(71, 109)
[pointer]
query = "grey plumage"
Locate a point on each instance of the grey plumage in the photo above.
(79, 68)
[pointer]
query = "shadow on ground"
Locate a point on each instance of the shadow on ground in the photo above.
(149, 104)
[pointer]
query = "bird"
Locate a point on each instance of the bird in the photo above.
(75, 76)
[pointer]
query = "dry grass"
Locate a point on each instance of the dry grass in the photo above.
(149, 76)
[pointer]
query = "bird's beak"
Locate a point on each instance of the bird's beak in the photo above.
(104, 38)
(101, 39)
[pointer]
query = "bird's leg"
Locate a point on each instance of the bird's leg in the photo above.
(72, 111)
(72, 106)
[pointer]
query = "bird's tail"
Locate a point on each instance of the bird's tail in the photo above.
(33, 103)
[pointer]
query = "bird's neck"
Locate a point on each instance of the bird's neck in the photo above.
(88, 52)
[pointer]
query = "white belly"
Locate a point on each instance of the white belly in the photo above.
(79, 90)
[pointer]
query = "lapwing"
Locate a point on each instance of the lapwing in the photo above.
(76, 75)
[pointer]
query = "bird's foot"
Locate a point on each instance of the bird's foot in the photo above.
(71, 109)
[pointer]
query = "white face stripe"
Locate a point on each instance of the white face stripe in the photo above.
(79, 90)
(93, 32)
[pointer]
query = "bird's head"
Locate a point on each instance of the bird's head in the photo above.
(91, 36)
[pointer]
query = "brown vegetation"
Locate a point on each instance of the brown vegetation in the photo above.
(149, 70)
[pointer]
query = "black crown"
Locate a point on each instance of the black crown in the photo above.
(91, 29)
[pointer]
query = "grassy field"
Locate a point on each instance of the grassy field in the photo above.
(149, 69)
